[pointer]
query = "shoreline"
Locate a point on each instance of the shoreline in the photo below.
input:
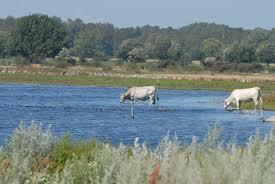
(194, 81)
(268, 87)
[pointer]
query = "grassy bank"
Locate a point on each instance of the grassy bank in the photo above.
(222, 85)
(34, 156)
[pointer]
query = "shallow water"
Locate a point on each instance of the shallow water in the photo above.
(88, 112)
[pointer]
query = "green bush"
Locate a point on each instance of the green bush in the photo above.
(21, 61)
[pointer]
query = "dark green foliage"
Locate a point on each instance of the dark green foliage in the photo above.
(94, 39)
(257, 36)
(161, 47)
(88, 43)
(2, 45)
(122, 34)
(240, 52)
(7, 23)
(175, 51)
(108, 31)
(127, 46)
(196, 53)
(64, 58)
(266, 53)
(185, 59)
(36, 36)
(137, 55)
(73, 27)
(212, 48)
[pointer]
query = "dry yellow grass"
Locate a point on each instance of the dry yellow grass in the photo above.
(92, 71)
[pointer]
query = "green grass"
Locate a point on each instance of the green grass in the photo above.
(34, 155)
(219, 85)
(111, 81)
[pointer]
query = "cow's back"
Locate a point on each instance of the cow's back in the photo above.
(142, 92)
(245, 94)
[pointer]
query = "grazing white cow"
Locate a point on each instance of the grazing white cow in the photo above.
(244, 95)
(140, 93)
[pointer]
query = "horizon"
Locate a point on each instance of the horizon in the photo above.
(161, 27)
(175, 14)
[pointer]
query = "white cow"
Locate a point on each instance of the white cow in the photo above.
(140, 93)
(244, 95)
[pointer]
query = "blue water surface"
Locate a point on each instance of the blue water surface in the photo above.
(88, 112)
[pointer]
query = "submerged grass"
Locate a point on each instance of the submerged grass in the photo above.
(34, 155)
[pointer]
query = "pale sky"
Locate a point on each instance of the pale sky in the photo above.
(174, 13)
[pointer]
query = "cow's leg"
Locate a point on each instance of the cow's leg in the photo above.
(238, 103)
(152, 99)
(256, 101)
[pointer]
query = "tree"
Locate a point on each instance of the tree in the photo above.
(266, 53)
(7, 23)
(185, 59)
(2, 44)
(240, 53)
(88, 43)
(212, 48)
(122, 34)
(64, 56)
(246, 53)
(231, 53)
(37, 36)
(107, 30)
(257, 36)
(73, 27)
(137, 55)
(175, 51)
(126, 47)
(161, 46)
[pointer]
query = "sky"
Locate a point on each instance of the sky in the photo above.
(175, 13)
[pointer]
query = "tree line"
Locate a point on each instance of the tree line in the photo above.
(39, 36)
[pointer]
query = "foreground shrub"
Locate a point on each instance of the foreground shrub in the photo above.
(27, 147)
(31, 156)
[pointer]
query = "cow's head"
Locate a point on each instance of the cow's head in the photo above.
(226, 103)
(122, 98)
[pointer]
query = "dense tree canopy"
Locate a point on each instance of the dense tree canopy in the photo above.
(240, 53)
(212, 48)
(2, 44)
(266, 53)
(73, 27)
(161, 47)
(137, 55)
(175, 51)
(37, 36)
(87, 44)
(40, 36)
(126, 47)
